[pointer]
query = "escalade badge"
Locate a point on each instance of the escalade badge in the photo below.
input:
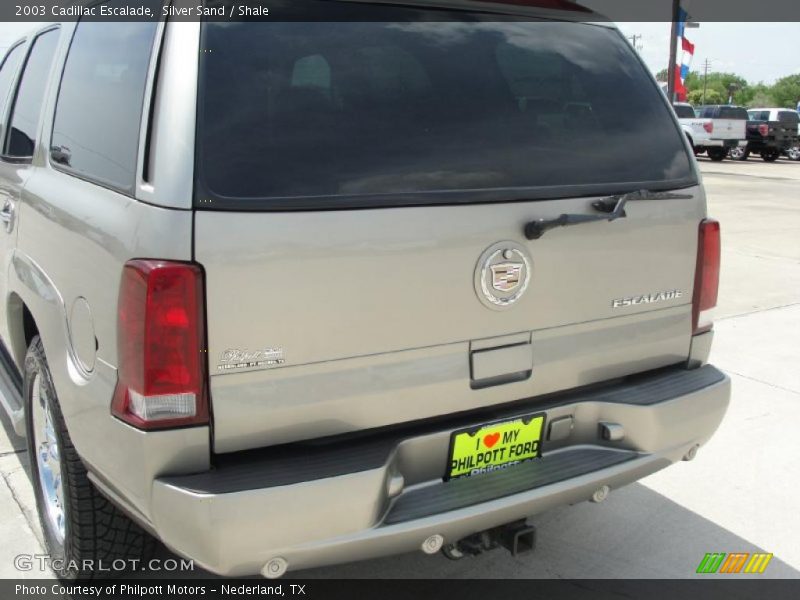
(646, 298)
(502, 275)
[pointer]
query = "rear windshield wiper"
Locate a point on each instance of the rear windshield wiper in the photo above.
(613, 208)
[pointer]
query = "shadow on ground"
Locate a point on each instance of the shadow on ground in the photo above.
(11, 443)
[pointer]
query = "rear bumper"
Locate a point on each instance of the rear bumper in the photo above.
(356, 499)
(720, 143)
(757, 145)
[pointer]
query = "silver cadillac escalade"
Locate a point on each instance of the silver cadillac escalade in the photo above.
(353, 280)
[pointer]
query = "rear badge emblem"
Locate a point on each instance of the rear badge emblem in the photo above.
(237, 358)
(502, 275)
(506, 276)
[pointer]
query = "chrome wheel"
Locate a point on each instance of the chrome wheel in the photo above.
(48, 458)
(793, 153)
(736, 153)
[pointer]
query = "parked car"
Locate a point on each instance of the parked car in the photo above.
(698, 131)
(343, 289)
(793, 151)
(770, 133)
(715, 129)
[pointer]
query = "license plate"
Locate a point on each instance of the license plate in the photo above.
(494, 446)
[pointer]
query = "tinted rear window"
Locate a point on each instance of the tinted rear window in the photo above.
(331, 114)
(758, 115)
(732, 112)
(684, 112)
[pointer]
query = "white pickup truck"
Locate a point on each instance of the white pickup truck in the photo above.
(713, 129)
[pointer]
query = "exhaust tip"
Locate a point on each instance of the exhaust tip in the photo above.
(275, 568)
(692, 453)
(601, 494)
(433, 544)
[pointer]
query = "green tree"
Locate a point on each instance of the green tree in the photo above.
(786, 91)
(695, 97)
(693, 81)
(718, 83)
(761, 99)
(753, 94)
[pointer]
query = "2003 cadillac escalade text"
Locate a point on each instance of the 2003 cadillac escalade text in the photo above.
(102, 10)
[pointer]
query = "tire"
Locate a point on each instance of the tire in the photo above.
(717, 154)
(793, 153)
(79, 524)
(739, 153)
(770, 155)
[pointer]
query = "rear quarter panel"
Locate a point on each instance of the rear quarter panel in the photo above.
(73, 238)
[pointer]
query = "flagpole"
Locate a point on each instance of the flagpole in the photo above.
(673, 50)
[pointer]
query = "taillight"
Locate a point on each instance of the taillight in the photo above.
(709, 126)
(706, 277)
(161, 346)
(763, 130)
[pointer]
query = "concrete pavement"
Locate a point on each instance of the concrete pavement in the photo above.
(738, 495)
(17, 516)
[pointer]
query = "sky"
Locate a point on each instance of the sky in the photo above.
(759, 52)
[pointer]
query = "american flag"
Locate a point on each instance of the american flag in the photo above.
(682, 70)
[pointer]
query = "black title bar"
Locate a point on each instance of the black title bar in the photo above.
(707, 588)
(341, 10)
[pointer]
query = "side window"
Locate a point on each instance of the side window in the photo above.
(7, 71)
(733, 112)
(100, 102)
(21, 139)
(684, 112)
(789, 117)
